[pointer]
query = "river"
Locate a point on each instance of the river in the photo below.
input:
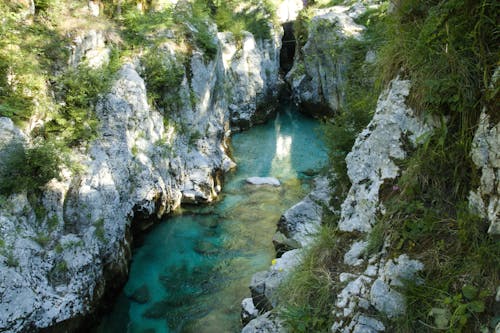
(190, 272)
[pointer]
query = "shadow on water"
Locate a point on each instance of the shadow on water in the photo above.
(192, 271)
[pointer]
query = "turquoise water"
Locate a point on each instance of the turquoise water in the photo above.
(193, 269)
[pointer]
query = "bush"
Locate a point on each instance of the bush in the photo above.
(28, 168)
(78, 90)
(307, 297)
(251, 16)
(163, 77)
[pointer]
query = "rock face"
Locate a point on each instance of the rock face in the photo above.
(90, 47)
(317, 78)
(296, 226)
(252, 77)
(486, 156)
(373, 156)
(56, 267)
(368, 283)
(371, 281)
(288, 10)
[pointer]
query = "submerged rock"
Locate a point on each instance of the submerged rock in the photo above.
(157, 310)
(205, 248)
(263, 181)
(140, 295)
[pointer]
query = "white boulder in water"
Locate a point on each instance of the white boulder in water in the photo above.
(263, 181)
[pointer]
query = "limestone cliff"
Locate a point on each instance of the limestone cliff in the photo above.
(317, 78)
(57, 268)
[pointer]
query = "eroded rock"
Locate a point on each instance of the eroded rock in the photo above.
(263, 181)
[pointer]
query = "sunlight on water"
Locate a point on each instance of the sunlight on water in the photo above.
(192, 271)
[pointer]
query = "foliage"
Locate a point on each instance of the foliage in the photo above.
(99, 231)
(138, 27)
(449, 50)
(237, 16)
(163, 76)
(307, 297)
(79, 89)
(28, 168)
(301, 26)
(190, 22)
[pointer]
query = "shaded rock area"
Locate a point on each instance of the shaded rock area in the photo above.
(317, 79)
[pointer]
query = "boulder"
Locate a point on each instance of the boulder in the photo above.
(248, 311)
(263, 181)
(140, 295)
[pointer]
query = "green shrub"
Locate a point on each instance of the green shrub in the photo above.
(138, 26)
(307, 297)
(28, 168)
(251, 16)
(163, 77)
(44, 5)
(27, 53)
(79, 89)
(99, 231)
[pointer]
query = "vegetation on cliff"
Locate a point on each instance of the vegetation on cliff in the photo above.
(449, 51)
(55, 100)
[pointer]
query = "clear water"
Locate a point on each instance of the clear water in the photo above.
(196, 266)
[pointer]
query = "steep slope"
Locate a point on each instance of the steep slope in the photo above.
(66, 251)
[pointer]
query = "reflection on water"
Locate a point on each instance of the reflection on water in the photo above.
(193, 270)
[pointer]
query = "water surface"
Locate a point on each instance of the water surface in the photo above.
(193, 269)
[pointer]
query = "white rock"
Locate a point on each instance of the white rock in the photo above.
(371, 160)
(318, 82)
(302, 221)
(368, 325)
(248, 310)
(139, 165)
(288, 10)
(89, 46)
(352, 257)
(267, 323)
(485, 153)
(396, 271)
(263, 181)
(386, 300)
